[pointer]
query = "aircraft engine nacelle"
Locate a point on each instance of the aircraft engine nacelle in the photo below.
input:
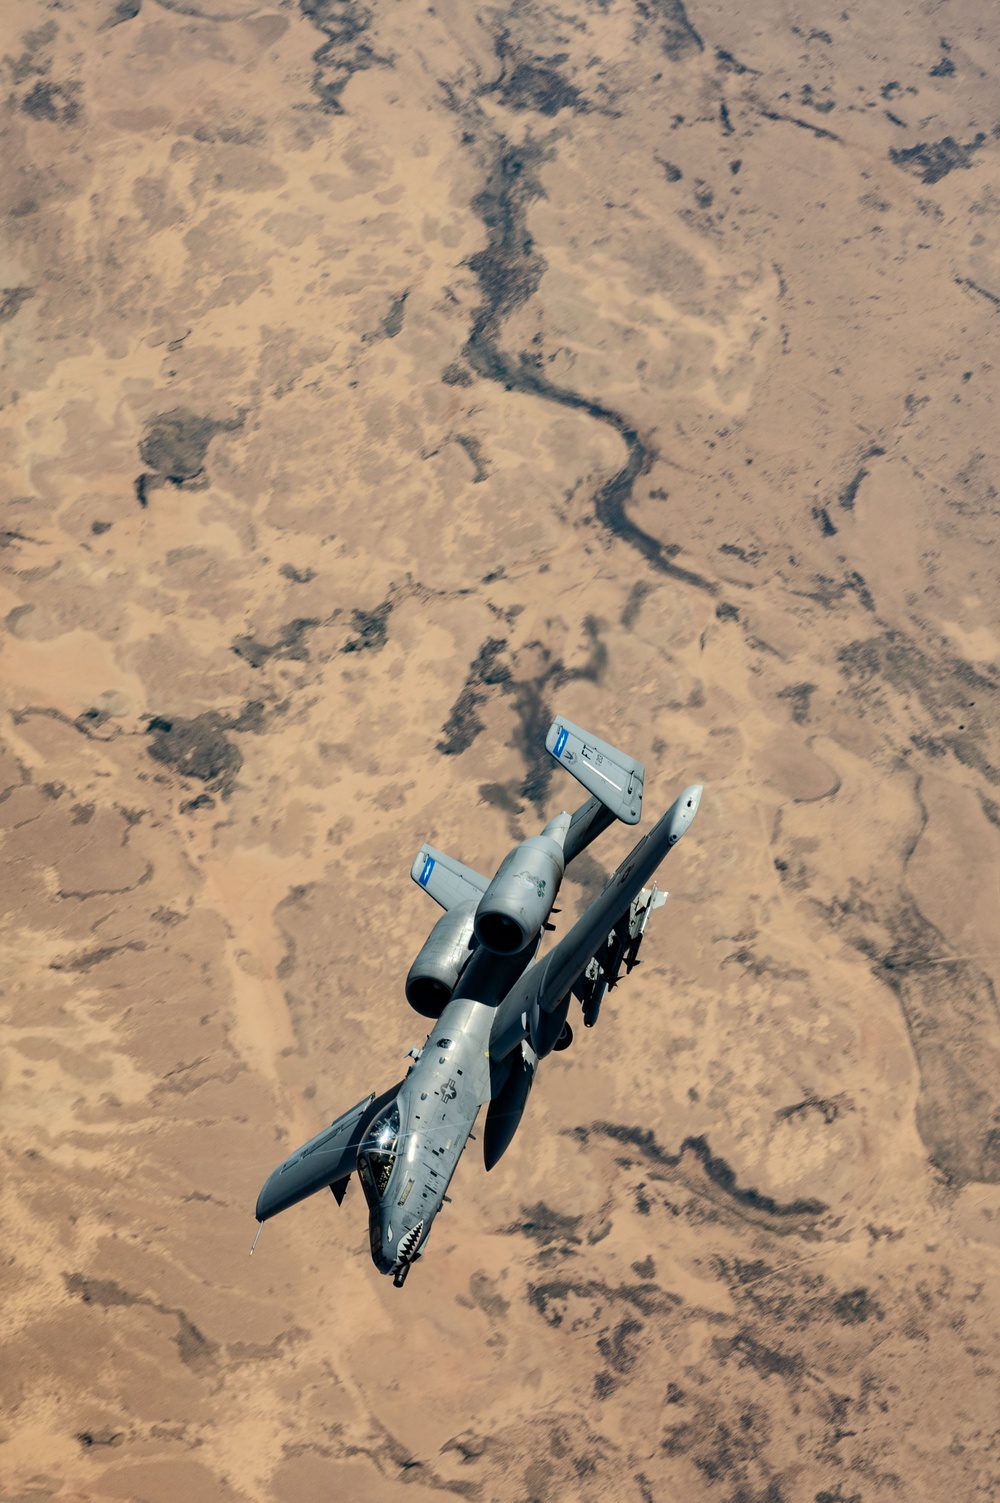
(518, 901)
(434, 974)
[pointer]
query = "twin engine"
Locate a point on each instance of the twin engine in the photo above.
(519, 900)
(434, 974)
(509, 915)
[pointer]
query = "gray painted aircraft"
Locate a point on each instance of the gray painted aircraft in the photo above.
(499, 1007)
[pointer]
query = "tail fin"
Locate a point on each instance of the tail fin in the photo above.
(448, 881)
(611, 775)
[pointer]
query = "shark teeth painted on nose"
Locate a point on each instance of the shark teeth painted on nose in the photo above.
(408, 1244)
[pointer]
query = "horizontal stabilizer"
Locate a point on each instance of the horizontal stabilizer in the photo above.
(613, 777)
(327, 1158)
(447, 880)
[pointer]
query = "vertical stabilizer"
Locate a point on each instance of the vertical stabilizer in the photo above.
(609, 774)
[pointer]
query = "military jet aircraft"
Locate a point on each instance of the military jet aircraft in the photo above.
(499, 1007)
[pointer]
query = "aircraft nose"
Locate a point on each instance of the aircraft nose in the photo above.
(381, 1257)
(395, 1246)
(408, 1245)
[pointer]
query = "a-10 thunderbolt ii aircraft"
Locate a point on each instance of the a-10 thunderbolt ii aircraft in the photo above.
(499, 1008)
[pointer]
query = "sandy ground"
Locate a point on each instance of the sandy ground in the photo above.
(379, 382)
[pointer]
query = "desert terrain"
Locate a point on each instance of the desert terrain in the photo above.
(378, 382)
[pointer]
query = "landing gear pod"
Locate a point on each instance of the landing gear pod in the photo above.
(564, 1040)
(507, 1107)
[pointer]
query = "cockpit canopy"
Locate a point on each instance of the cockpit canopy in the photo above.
(377, 1153)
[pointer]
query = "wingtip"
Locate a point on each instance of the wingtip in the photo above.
(692, 797)
(683, 810)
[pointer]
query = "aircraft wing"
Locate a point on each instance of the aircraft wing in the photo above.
(322, 1162)
(448, 881)
(539, 995)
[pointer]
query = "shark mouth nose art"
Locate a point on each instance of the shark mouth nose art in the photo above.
(408, 1244)
(407, 1247)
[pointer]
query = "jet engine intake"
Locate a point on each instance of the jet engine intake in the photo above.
(518, 901)
(434, 974)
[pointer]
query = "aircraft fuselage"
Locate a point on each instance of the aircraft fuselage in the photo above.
(406, 1181)
(500, 1009)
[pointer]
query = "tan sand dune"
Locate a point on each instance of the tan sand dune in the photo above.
(378, 382)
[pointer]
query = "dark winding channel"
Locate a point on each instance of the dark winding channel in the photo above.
(509, 271)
